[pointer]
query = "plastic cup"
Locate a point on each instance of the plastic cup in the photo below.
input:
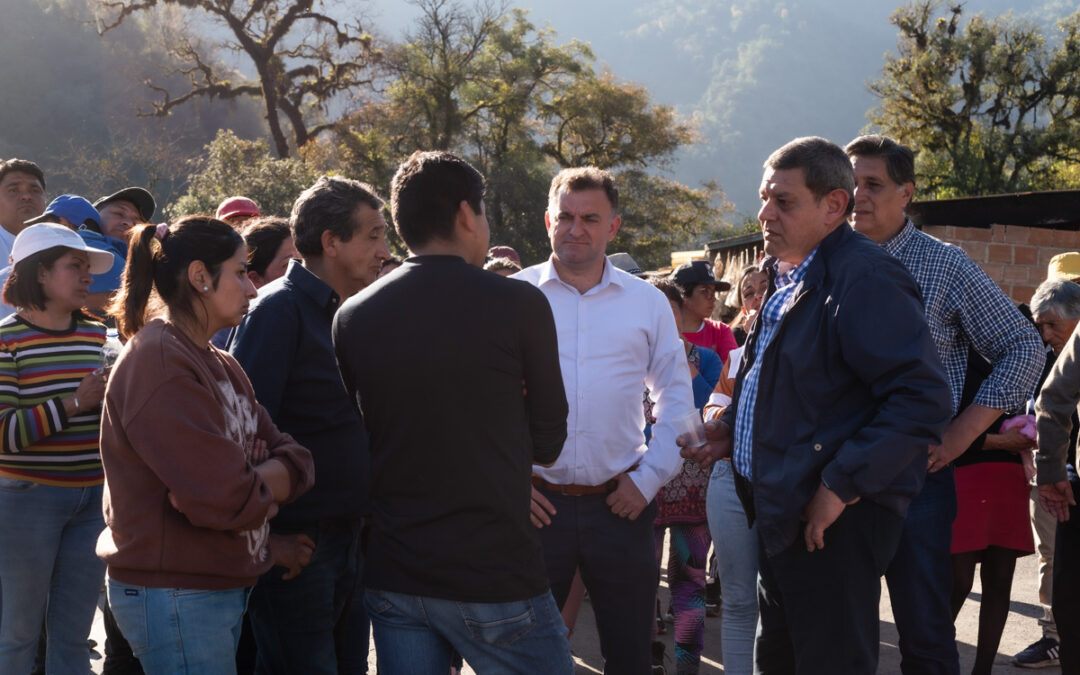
(690, 426)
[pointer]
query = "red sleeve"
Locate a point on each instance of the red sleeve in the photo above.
(723, 340)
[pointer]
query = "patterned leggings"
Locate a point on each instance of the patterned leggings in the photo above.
(688, 556)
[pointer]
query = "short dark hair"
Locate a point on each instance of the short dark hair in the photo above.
(264, 237)
(899, 159)
(669, 288)
(427, 191)
(22, 166)
(585, 178)
(22, 288)
(824, 164)
(329, 204)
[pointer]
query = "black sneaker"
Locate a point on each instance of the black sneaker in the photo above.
(1041, 654)
(712, 599)
(658, 658)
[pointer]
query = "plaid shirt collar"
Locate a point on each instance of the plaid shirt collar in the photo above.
(898, 241)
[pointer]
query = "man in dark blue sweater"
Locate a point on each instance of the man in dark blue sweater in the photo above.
(312, 621)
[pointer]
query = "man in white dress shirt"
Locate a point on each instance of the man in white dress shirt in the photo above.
(617, 336)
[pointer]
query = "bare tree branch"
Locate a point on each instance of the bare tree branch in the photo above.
(332, 59)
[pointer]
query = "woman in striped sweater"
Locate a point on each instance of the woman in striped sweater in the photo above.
(51, 387)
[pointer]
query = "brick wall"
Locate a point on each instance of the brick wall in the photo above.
(1014, 256)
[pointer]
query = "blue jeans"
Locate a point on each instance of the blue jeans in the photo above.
(737, 561)
(315, 622)
(49, 571)
(180, 630)
(415, 635)
(920, 581)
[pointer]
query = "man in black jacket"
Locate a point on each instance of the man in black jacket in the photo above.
(839, 395)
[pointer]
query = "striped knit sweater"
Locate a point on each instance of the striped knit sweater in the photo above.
(39, 367)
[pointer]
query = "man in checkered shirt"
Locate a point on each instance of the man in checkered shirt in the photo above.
(964, 307)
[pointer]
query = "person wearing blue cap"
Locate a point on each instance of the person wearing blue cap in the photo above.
(77, 213)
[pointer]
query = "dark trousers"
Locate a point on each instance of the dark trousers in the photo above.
(819, 611)
(118, 657)
(920, 581)
(618, 565)
(1066, 601)
(315, 622)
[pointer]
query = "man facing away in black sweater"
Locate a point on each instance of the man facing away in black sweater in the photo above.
(456, 373)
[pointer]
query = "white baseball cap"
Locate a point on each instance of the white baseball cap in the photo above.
(42, 236)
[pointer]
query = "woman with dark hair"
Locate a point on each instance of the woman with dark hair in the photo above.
(270, 248)
(195, 466)
(51, 385)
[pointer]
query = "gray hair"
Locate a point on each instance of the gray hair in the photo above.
(1058, 296)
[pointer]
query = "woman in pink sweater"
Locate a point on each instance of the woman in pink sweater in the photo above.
(194, 466)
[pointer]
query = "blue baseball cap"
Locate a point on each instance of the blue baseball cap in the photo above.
(73, 208)
(109, 281)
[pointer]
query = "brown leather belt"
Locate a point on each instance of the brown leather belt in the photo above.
(575, 490)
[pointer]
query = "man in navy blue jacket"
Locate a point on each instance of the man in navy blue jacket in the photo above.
(312, 620)
(839, 395)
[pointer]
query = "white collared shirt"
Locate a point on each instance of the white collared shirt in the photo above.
(616, 339)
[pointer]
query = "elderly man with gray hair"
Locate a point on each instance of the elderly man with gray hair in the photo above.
(1055, 308)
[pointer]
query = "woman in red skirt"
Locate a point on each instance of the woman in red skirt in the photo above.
(992, 525)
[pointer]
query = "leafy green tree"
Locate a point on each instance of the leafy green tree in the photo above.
(598, 120)
(487, 84)
(231, 166)
(661, 215)
(990, 104)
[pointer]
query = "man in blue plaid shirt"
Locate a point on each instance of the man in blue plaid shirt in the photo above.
(964, 308)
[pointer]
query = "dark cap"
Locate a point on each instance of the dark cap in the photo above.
(142, 199)
(626, 263)
(698, 272)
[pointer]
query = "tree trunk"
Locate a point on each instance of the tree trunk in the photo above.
(270, 98)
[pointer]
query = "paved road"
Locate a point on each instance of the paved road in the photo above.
(1020, 631)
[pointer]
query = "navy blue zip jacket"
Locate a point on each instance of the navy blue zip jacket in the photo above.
(851, 390)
